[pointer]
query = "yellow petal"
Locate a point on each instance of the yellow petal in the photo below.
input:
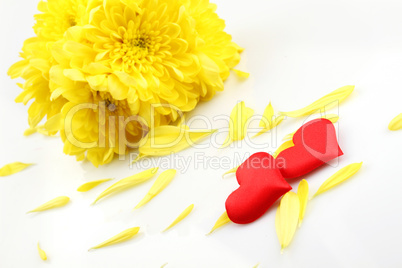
(331, 117)
(324, 103)
(161, 182)
(54, 124)
(268, 120)
(181, 217)
(127, 183)
(255, 266)
(396, 123)
(164, 265)
(29, 131)
(54, 203)
(241, 74)
(302, 193)
(42, 253)
(340, 176)
(286, 218)
(41, 129)
(223, 220)
(12, 168)
(233, 170)
(165, 140)
(284, 146)
(90, 185)
(121, 237)
(239, 117)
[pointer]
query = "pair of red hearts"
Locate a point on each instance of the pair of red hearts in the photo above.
(262, 178)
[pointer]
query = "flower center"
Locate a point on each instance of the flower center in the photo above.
(72, 21)
(135, 48)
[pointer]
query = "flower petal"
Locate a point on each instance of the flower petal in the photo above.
(268, 120)
(233, 170)
(287, 216)
(13, 168)
(326, 102)
(42, 253)
(54, 203)
(55, 123)
(90, 185)
(239, 117)
(165, 140)
(127, 183)
(161, 182)
(340, 176)
(396, 123)
(29, 131)
(223, 220)
(121, 237)
(284, 146)
(181, 217)
(302, 193)
(241, 74)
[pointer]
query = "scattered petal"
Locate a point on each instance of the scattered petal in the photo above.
(239, 118)
(165, 140)
(268, 120)
(42, 130)
(324, 103)
(284, 146)
(29, 131)
(302, 193)
(121, 237)
(90, 185)
(233, 170)
(396, 123)
(42, 253)
(54, 203)
(181, 217)
(331, 117)
(127, 183)
(223, 220)
(286, 218)
(13, 168)
(340, 176)
(241, 74)
(161, 182)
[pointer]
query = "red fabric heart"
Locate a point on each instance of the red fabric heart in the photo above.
(315, 144)
(261, 184)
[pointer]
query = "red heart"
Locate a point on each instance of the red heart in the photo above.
(261, 184)
(315, 144)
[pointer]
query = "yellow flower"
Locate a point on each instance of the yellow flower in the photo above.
(34, 69)
(57, 16)
(109, 70)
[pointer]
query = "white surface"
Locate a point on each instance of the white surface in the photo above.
(296, 51)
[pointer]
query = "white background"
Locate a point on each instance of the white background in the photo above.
(296, 52)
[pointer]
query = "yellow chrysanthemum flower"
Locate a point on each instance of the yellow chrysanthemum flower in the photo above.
(59, 15)
(138, 63)
(51, 25)
(34, 69)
